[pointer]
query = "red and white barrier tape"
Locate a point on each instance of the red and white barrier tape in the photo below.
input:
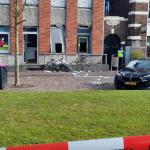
(126, 143)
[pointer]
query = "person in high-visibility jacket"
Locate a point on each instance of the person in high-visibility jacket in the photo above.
(121, 57)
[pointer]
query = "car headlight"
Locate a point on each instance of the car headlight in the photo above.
(118, 74)
(147, 77)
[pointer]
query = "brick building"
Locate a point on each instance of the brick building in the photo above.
(56, 28)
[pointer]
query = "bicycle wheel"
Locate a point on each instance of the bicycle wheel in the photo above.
(64, 68)
(49, 67)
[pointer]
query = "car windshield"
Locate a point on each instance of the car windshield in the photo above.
(139, 64)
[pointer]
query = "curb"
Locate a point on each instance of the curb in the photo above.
(126, 143)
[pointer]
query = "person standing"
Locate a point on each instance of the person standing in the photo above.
(121, 58)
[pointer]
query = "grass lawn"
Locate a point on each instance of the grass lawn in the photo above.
(29, 118)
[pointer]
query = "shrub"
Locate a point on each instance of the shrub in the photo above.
(137, 54)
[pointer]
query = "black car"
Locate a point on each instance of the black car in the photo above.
(135, 75)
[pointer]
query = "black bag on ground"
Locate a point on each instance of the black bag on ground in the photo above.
(3, 77)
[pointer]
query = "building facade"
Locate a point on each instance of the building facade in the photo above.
(126, 22)
(56, 28)
(53, 28)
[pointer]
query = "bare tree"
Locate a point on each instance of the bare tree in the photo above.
(17, 13)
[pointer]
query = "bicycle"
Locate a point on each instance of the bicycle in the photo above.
(81, 59)
(57, 66)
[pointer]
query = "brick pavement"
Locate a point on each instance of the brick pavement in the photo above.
(59, 81)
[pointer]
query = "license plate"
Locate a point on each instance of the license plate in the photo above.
(130, 83)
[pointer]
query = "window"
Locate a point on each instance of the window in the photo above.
(82, 44)
(4, 40)
(107, 7)
(4, 1)
(84, 40)
(58, 39)
(30, 29)
(31, 2)
(85, 3)
(58, 48)
(58, 3)
(32, 40)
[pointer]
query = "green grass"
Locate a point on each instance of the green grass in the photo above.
(29, 118)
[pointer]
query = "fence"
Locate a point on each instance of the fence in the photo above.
(76, 58)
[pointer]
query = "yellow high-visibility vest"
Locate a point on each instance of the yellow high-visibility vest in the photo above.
(120, 53)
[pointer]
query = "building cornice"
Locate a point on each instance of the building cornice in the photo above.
(134, 37)
(138, 13)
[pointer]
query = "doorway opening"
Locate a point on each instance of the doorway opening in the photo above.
(83, 44)
(30, 48)
(111, 46)
(58, 47)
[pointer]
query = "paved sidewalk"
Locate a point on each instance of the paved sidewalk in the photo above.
(59, 81)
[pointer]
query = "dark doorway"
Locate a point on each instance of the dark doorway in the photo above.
(58, 48)
(83, 44)
(83, 48)
(30, 48)
(112, 44)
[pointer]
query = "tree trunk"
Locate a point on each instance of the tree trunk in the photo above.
(17, 81)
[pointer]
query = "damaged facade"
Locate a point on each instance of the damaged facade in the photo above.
(56, 28)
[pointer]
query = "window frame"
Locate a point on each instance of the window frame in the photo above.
(8, 50)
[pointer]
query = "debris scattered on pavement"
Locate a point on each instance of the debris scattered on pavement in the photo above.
(106, 77)
(97, 83)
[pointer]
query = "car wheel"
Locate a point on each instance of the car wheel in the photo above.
(118, 87)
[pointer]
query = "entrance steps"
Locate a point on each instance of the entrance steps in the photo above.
(35, 67)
